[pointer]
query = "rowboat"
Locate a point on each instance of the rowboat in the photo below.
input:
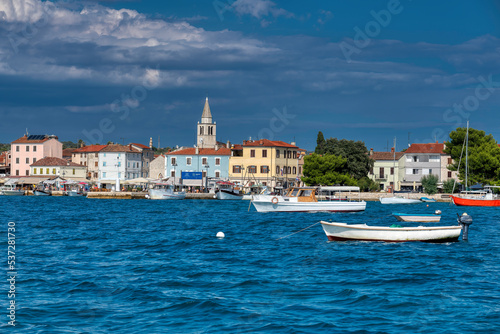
(303, 199)
(416, 217)
(398, 200)
(362, 232)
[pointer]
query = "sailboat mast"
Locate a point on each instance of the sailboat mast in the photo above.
(466, 155)
(394, 169)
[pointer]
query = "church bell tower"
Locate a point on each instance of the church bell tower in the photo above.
(206, 129)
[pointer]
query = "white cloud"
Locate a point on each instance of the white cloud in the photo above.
(259, 8)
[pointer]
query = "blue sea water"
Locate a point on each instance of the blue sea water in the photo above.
(138, 266)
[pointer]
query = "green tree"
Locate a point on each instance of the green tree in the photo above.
(4, 147)
(326, 170)
(448, 186)
(69, 144)
(358, 160)
(484, 156)
(367, 184)
(429, 183)
(320, 144)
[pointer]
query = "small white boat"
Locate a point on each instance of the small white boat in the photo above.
(10, 190)
(165, 191)
(261, 190)
(427, 199)
(363, 232)
(75, 193)
(416, 217)
(304, 199)
(39, 192)
(228, 191)
(398, 200)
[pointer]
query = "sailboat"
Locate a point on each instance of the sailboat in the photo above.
(474, 197)
(397, 199)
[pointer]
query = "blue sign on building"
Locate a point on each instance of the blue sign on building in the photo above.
(192, 175)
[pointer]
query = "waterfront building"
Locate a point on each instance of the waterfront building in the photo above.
(387, 170)
(53, 167)
(266, 162)
(157, 167)
(88, 156)
(147, 156)
(5, 161)
(425, 159)
(118, 162)
(29, 149)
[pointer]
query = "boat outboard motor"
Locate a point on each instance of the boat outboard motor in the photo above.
(465, 220)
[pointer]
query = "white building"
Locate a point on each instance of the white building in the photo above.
(118, 162)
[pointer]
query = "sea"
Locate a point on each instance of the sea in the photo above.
(141, 266)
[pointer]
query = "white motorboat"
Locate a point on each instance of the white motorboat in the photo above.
(416, 217)
(165, 191)
(261, 190)
(304, 199)
(75, 193)
(39, 192)
(363, 232)
(228, 191)
(10, 190)
(398, 200)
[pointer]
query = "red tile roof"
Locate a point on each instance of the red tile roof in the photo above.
(141, 146)
(120, 148)
(237, 147)
(436, 148)
(386, 155)
(24, 140)
(202, 151)
(90, 149)
(51, 161)
(268, 143)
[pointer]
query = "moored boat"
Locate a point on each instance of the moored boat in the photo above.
(477, 198)
(363, 232)
(39, 192)
(427, 199)
(164, 191)
(416, 217)
(398, 200)
(10, 190)
(303, 199)
(228, 191)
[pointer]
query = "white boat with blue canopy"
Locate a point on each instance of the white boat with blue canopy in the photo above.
(418, 217)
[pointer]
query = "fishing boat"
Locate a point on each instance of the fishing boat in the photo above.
(478, 197)
(427, 199)
(75, 193)
(228, 191)
(417, 217)
(399, 200)
(40, 192)
(303, 199)
(164, 191)
(363, 232)
(10, 190)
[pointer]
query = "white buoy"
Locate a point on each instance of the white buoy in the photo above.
(220, 235)
(438, 212)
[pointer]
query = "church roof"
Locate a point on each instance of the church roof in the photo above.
(206, 113)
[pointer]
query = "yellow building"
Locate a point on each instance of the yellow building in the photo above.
(266, 162)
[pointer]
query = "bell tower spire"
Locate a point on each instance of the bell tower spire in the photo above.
(206, 136)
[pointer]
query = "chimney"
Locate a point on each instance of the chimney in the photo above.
(130, 146)
(392, 149)
(216, 147)
(197, 151)
(371, 151)
(151, 142)
(293, 143)
(228, 144)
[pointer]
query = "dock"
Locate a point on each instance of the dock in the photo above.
(140, 195)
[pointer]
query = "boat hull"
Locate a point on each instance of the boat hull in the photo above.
(398, 200)
(331, 206)
(417, 218)
(159, 194)
(13, 192)
(41, 193)
(459, 201)
(228, 195)
(74, 193)
(362, 232)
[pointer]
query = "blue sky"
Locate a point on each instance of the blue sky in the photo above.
(362, 70)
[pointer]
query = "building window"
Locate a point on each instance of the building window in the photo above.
(188, 161)
(252, 169)
(103, 175)
(41, 170)
(172, 173)
(289, 154)
(173, 161)
(236, 169)
(53, 171)
(277, 154)
(47, 171)
(96, 164)
(295, 154)
(371, 170)
(252, 153)
(34, 160)
(449, 174)
(392, 170)
(104, 163)
(204, 161)
(381, 173)
(96, 155)
(450, 161)
(289, 170)
(294, 170)
(201, 130)
(264, 153)
(278, 170)
(119, 175)
(27, 148)
(104, 155)
(17, 160)
(17, 172)
(415, 158)
(217, 174)
(34, 170)
(27, 172)
(430, 171)
(204, 174)
(27, 160)
(415, 171)
(73, 171)
(300, 170)
(217, 161)
(17, 150)
(264, 169)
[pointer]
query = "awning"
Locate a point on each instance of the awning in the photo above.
(140, 180)
(31, 180)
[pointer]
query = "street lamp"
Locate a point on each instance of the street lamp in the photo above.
(117, 186)
(175, 175)
(206, 178)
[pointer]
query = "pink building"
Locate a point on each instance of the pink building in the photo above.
(29, 149)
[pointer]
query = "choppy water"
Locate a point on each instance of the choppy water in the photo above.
(137, 266)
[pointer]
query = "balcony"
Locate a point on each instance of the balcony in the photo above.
(381, 177)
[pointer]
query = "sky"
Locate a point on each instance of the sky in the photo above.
(125, 71)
